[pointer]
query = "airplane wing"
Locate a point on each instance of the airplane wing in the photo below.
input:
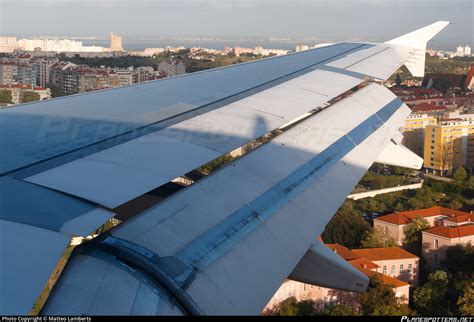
(303, 129)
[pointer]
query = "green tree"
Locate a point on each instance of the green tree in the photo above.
(459, 264)
(339, 310)
(30, 96)
(460, 174)
(379, 299)
(466, 301)
(346, 228)
(5, 96)
(292, 307)
(216, 164)
(430, 298)
(412, 231)
(56, 91)
(377, 237)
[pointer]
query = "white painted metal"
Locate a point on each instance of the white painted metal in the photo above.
(44, 130)
(356, 57)
(267, 255)
(86, 224)
(318, 261)
(170, 225)
(28, 256)
(416, 42)
(97, 287)
(379, 66)
(121, 173)
(399, 156)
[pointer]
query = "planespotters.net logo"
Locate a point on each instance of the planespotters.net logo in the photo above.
(436, 319)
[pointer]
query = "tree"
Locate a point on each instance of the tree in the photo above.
(377, 237)
(460, 174)
(412, 231)
(5, 96)
(466, 301)
(379, 299)
(339, 310)
(56, 91)
(30, 96)
(346, 228)
(292, 307)
(459, 264)
(429, 298)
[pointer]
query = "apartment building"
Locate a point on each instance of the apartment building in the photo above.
(171, 68)
(414, 130)
(449, 144)
(392, 261)
(436, 240)
(394, 224)
(125, 76)
(17, 91)
(43, 70)
(359, 258)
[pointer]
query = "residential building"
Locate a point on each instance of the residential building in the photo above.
(8, 44)
(394, 224)
(85, 79)
(56, 45)
(436, 240)
(392, 261)
(451, 81)
(8, 72)
(463, 51)
(414, 130)
(142, 74)
(15, 73)
(62, 76)
(449, 144)
(171, 68)
(323, 296)
(43, 70)
(106, 79)
(17, 91)
(125, 76)
(26, 74)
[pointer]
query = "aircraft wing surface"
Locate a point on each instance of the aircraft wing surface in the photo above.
(303, 129)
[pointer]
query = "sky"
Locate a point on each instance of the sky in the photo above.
(332, 20)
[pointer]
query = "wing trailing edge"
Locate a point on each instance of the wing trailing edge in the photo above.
(318, 261)
(399, 156)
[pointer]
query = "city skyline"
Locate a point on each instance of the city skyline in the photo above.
(238, 19)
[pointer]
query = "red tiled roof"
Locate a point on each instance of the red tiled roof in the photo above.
(342, 251)
(469, 76)
(385, 253)
(363, 263)
(426, 107)
(404, 217)
(387, 280)
(451, 232)
(461, 218)
(453, 80)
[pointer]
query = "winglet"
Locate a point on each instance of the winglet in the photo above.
(416, 40)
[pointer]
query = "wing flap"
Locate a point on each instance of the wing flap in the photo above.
(242, 238)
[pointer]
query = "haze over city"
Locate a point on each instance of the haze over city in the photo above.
(243, 20)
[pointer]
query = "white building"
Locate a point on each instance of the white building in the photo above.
(8, 44)
(463, 51)
(56, 45)
(171, 68)
(115, 42)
